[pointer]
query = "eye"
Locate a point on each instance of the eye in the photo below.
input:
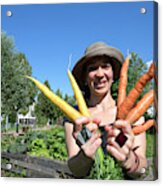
(106, 65)
(91, 68)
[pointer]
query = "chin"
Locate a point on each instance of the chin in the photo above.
(101, 92)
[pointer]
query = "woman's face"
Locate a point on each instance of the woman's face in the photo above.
(99, 77)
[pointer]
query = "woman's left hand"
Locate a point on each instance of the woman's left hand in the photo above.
(120, 153)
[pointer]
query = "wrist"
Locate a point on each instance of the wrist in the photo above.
(80, 164)
(131, 163)
(135, 164)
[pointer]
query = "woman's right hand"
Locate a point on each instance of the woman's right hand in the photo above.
(92, 144)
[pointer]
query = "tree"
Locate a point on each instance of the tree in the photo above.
(70, 100)
(46, 111)
(44, 108)
(57, 112)
(136, 69)
(17, 93)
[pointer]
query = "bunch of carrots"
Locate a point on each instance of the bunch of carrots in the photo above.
(126, 108)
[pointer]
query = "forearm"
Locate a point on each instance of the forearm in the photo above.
(80, 165)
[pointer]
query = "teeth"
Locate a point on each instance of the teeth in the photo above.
(100, 84)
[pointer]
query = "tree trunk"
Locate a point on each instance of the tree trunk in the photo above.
(6, 126)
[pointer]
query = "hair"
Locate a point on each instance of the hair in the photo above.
(86, 93)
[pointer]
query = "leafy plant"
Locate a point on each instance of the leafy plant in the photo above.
(151, 145)
(111, 170)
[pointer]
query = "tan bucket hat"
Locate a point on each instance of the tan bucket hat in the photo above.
(98, 49)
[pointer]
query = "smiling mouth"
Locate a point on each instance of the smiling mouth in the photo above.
(100, 84)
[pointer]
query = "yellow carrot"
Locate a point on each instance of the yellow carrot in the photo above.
(66, 108)
(84, 110)
(78, 95)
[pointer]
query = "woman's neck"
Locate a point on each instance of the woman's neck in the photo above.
(103, 102)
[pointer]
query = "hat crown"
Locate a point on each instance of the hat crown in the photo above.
(94, 47)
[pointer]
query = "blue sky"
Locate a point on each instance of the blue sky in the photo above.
(49, 33)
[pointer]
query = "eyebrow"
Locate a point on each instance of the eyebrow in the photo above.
(103, 62)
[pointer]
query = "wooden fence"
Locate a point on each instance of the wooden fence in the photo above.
(34, 167)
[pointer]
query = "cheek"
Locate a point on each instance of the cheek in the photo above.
(90, 77)
(110, 74)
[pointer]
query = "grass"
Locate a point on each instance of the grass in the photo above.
(151, 145)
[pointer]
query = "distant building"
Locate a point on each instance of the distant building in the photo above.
(29, 118)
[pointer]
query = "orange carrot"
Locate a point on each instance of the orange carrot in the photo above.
(134, 93)
(140, 107)
(156, 87)
(142, 128)
(123, 82)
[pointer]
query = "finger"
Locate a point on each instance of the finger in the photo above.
(95, 145)
(121, 123)
(112, 132)
(111, 141)
(124, 125)
(92, 145)
(114, 152)
(92, 127)
(82, 120)
(79, 122)
(108, 127)
(94, 137)
(96, 121)
(124, 150)
(129, 143)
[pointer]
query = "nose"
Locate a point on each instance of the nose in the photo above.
(99, 72)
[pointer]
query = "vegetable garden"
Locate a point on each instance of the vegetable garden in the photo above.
(50, 145)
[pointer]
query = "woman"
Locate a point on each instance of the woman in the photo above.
(95, 73)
